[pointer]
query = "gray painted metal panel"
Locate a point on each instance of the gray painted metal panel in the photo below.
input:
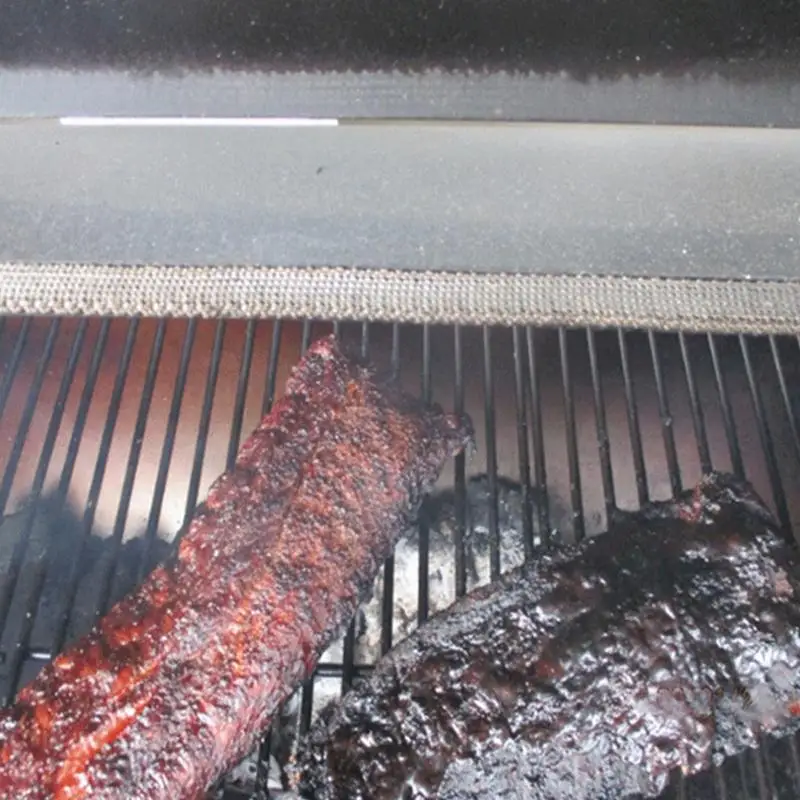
(626, 200)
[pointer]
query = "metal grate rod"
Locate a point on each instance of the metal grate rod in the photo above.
(737, 465)
(537, 437)
(241, 394)
(387, 604)
(491, 453)
(521, 408)
(666, 417)
(272, 370)
(307, 690)
(212, 377)
(10, 370)
(787, 400)
(766, 439)
(142, 416)
(154, 516)
(350, 635)
(24, 424)
(424, 532)
(634, 428)
(62, 625)
(698, 419)
(575, 489)
(460, 532)
(603, 441)
(18, 653)
(265, 746)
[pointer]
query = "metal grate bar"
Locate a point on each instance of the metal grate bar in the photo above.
(272, 370)
(634, 429)
(666, 417)
(106, 578)
(212, 377)
(575, 489)
(521, 408)
(742, 764)
(10, 370)
(62, 626)
(241, 394)
(387, 607)
(795, 757)
(491, 453)
(305, 342)
(27, 416)
(719, 783)
(67, 471)
(761, 780)
(603, 441)
(350, 636)
(17, 655)
(265, 746)
(737, 465)
(307, 689)
(460, 474)
(766, 439)
(770, 789)
(787, 400)
(424, 531)
(537, 436)
(395, 358)
(698, 419)
(166, 451)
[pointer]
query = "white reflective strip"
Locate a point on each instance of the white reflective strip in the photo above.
(197, 122)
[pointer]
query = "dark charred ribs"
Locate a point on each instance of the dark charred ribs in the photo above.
(589, 673)
(173, 686)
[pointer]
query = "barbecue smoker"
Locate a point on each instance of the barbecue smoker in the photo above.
(578, 222)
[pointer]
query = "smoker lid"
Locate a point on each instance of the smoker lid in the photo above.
(643, 208)
(687, 228)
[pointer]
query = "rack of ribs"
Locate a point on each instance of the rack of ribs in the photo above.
(589, 673)
(174, 685)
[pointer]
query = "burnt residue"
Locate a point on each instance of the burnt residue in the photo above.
(592, 672)
(584, 37)
(440, 515)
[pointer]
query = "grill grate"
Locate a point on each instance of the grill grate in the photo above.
(112, 429)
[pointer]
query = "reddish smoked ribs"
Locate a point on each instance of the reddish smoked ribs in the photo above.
(173, 686)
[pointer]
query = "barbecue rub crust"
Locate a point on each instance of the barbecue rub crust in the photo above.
(589, 673)
(174, 685)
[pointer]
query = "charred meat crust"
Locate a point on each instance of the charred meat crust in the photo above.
(171, 688)
(591, 672)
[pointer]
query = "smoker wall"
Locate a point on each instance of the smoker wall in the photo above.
(622, 60)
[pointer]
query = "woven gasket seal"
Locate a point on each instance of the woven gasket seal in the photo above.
(340, 293)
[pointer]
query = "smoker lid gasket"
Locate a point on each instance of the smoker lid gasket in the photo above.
(346, 294)
(546, 199)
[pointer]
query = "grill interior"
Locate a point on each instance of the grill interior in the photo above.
(111, 430)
